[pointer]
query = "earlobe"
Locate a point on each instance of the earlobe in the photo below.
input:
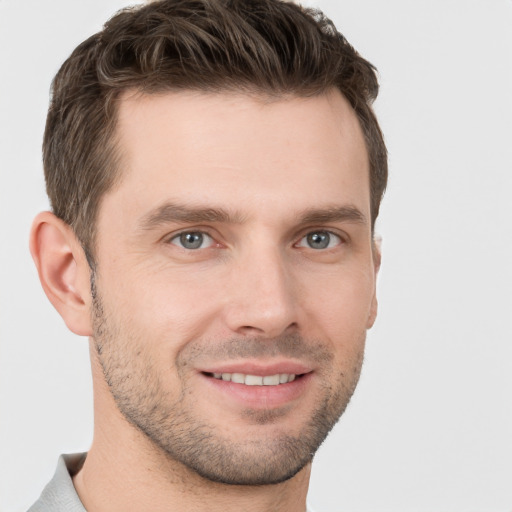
(63, 270)
(377, 257)
(373, 312)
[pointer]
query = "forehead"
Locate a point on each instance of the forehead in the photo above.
(247, 150)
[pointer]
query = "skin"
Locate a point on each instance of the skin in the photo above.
(255, 295)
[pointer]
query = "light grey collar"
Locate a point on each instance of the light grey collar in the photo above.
(60, 494)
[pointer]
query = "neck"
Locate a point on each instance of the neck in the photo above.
(124, 471)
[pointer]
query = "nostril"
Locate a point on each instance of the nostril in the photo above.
(249, 329)
(269, 333)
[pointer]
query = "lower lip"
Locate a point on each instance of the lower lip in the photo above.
(261, 397)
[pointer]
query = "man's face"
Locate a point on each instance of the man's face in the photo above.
(235, 278)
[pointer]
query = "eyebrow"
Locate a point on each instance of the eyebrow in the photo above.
(333, 214)
(171, 212)
(174, 212)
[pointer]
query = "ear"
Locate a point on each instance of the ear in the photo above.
(377, 257)
(63, 270)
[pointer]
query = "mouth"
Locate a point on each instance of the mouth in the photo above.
(258, 385)
(255, 380)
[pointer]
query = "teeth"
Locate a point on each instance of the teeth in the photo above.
(256, 380)
(271, 380)
(253, 380)
(238, 378)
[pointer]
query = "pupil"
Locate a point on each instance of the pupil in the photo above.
(191, 240)
(318, 240)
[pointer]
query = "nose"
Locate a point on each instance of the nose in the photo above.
(262, 296)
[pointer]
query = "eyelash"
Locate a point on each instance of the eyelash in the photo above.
(179, 236)
(311, 233)
(323, 232)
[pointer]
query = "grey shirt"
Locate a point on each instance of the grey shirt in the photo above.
(60, 494)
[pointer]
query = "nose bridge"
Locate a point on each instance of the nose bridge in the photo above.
(262, 298)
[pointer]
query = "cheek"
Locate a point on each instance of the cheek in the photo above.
(165, 307)
(343, 296)
(338, 307)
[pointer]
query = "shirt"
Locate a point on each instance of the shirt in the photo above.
(60, 494)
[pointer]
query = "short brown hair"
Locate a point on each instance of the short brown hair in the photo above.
(267, 47)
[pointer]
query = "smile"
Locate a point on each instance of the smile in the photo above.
(259, 388)
(255, 380)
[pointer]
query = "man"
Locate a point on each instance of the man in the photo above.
(215, 171)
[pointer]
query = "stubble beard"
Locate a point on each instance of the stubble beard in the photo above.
(172, 426)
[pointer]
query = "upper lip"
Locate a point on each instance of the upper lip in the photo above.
(258, 368)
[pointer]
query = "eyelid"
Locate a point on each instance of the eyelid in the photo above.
(205, 230)
(202, 231)
(343, 238)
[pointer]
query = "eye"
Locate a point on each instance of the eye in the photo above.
(192, 240)
(320, 240)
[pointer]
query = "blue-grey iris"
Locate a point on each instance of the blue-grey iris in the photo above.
(319, 240)
(191, 240)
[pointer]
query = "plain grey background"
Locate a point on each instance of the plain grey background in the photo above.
(430, 426)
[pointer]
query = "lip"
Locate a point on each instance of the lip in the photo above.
(258, 397)
(258, 368)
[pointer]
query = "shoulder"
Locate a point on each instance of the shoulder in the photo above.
(60, 494)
